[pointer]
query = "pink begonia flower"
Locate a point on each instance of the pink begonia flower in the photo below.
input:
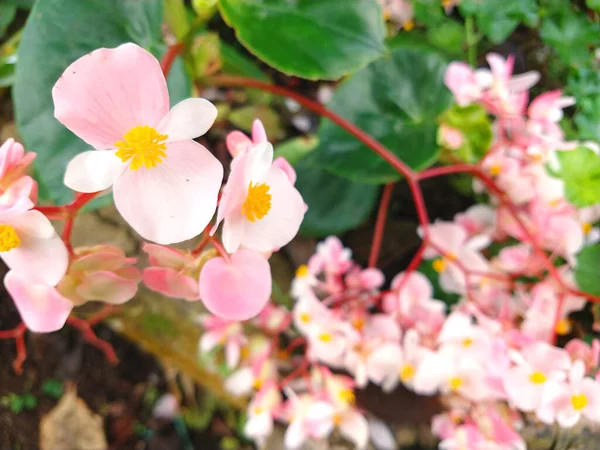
(450, 137)
(521, 259)
(42, 308)
(101, 273)
(13, 162)
(237, 289)
(22, 187)
(478, 220)
(274, 318)
(548, 107)
(165, 184)
(331, 257)
(467, 437)
(581, 350)
(261, 411)
(580, 396)
(238, 143)
(305, 281)
(374, 351)
(172, 272)
(327, 342)
(399, 12)
(29, 244)
(537, 369)
(587, 218)
(412, 355)
(309, 312)
(469, 339)
(261, 370)
(364, 279)
(260, 207)
(413, 305)
(227, 333)
(448, 371)
(465, 83)
(308, 418)
(167, 407)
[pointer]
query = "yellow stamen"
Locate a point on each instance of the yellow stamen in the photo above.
(447, 3)
(257, 384)
(305, 317)
(563, 327)
(8, 238)
(455, 383)
(302, 271)
(325, 337)
(537, 378)
(347, 396)
(258, 202)
(467, 342)
(407, 372)
(144, 146)
(579, 402)
(408, 25)
(358, 323)
(495, 170)
(258, 410)
(439, 265)
(586, 227)
(244, 352)
(337, 419)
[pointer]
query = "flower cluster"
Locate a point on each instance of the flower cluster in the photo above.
(165, 185)
(491, 357)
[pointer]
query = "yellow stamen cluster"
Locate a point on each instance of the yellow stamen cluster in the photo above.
(305, 318)
(455, 383)
(495, 170)
(439, 265)
(8, 238)
(347, 396)
(302, 271)
(467, 342)
(325, 337)
(258, 202)
(144, 146)
(579, 402)
(563, 327)
(586, 227)
(407, 372)
(537, 378)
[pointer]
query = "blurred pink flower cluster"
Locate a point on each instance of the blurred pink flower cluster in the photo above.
(491, 356)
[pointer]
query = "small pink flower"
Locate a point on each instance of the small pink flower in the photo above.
(165, 184)
(29, 244)
(274, 318)
(450, 137)
(581, 350)
(261, 371)
(548, 106)
(13, 162)
(331, 257)
(42, 307)
(228, 333)
(464, 83)
(260, 207)
(261, 411)
(460, 332)
(173, 273)
(537, 369)
(308, 418)
(101, 273)
(237, 289)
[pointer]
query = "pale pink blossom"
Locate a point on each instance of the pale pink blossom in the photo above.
(238, 143)
(102, 273)
(580, 396)
(308, 418)
(274, 318)
(165, 184)
(400, 12)
(331, 257)
(581, 350)
(237, 288)
(172, 272)
(261, 411)
(451, 138)
(412, 355)
(469, 339)
(260, 207)
(537, 370)
(309, 312)
(465, 83)
(223, 332)
(261, 370)
(13, 162)
(42, 308)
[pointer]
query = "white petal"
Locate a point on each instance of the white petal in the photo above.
(233, 232)
(381, 436)
(260, 159)
(188, 119)
(34, 224)
(240, 382)
(93, 171)
(175, 200)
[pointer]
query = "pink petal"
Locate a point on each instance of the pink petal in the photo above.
(42, 261)
(175, 200)
(238, 289)
(93, 171)
(188, 119)
(166, 256)
(237, 143)
(106, 93)
(34, 224)
(260, 159)
(233, 232)
(283, 220)
(284, 165)
(235, 191)
(41, 307)
(102, 257)
(258, 132)
(171, 282)
(107, 287)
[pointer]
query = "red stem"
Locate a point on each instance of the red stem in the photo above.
(169, 58)
(384, 204)
(18, 334)
(220, 249)
(88, 334)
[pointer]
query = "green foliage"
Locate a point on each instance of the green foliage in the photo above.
(19, 403)
(53, 388)
(580, 170)
(75, 28)
(497, 20)
(476, 127)
(7, 14)
(587, 271)
(323, 39)
(397, 101)
(296, 149)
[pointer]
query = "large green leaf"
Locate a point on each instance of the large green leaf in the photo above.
(580, 170)
(587, 272)
(316, 39)
(397, 101)
(56, 34)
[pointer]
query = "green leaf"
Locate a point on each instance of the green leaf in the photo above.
(296, 149)
(476, 128)
(395, 100)
(57, 33)
(593, 4)
(243, 118)
(497, 20)
(324, 39)
(53, 388)
(580, 170)
(448, 36)
(572, 35)
(587, 271)
(16, 404)
(235, 63)
(29, 401)
(7, 14)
